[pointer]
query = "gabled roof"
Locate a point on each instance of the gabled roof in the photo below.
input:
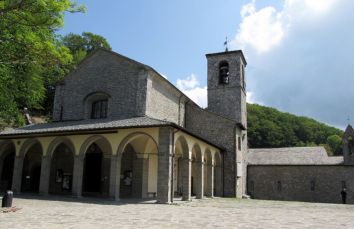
(144, 66)
(292, 156)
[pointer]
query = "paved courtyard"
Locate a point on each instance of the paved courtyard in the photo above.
(209, 213)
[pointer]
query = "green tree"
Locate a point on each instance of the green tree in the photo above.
(29, 50)
(335, 142)
(268, 127)
(81, 45)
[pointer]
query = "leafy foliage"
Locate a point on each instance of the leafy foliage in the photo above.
(30, 51)
(79, 47)
(268, 127)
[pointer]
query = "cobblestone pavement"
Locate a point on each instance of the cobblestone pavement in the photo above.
(208, 213)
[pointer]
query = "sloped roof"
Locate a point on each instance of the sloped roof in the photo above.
(84, 125)
(73, 127)
(292, 156)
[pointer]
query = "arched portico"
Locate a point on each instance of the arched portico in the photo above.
(137, 166)
(197, 172)
(61, 154)
(31, 152)
(7, 160)
(91, 175)
(208, 174)
(182, 169)
(96, 170)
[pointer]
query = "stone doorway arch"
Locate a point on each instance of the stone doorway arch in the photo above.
(32, 165)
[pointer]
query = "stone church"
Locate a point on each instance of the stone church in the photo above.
(121, 130)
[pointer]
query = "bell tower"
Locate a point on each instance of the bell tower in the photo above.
(226, 85)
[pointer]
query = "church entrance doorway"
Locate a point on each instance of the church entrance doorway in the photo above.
(92, 171)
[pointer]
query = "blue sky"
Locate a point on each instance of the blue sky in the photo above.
(299, 52)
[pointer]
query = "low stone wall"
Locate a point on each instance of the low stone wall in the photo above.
(310, 183)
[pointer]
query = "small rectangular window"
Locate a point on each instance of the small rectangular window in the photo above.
(279, 186)
(99, 109)
(239, 143)
(312, 185)
(344, 184)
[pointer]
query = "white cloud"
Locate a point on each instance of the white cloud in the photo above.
(300, 57)
(261, 29)
(267, 27)
(188, 83)
(190, 86)
(250, 97)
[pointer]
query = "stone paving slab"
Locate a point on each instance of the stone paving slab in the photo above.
(209, 213)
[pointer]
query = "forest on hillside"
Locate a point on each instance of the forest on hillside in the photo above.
(268, 128)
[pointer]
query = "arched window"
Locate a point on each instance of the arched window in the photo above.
(99, 109)
(224, 72)
(96, 105)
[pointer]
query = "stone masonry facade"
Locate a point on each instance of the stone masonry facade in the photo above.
(139, 90)
(175, 147)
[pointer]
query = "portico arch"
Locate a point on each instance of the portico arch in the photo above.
(61, 153)
(95, 155)
(182, 169)
(197, 172)
(32, 164)
(137, 161)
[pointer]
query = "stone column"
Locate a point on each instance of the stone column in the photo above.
(200, 180)
(186, 179)
(114, 190)
(113, 177)
(78, 175)
(145, 176)
(164, 165)
(17, 174)
(45, 174)
(210, 181)
(138, 176)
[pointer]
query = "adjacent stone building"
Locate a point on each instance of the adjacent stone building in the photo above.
(121, 130)
(302, 173)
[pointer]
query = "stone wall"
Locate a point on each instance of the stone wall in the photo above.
(227, 100)
(222, 132)
(310, 183)
(163, 101)
(122, 79)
